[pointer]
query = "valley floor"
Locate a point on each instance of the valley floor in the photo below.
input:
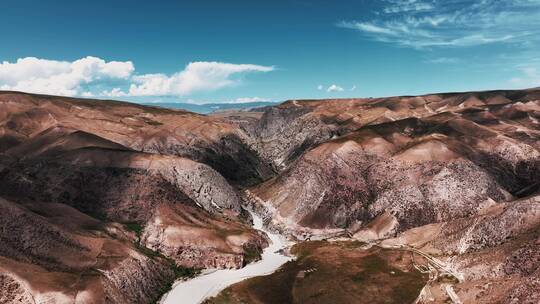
(335, 272)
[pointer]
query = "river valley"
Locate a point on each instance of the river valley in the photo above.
(209, 284)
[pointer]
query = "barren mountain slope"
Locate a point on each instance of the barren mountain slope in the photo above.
(56, 254)
(287, 130)
(164, 210)
(121, 198)
(437, 167)
(209, 140)
(497, 252)
(452, 177)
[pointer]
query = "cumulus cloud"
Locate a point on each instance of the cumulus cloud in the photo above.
(334, 88)
(54, 77)
(196, 77)
(76, 78)
(87, 94)
(115, 92)
(439, 23)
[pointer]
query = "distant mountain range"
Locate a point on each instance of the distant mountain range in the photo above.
(212, 107)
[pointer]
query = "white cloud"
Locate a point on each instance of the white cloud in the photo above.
(54, 77)
(438, 23)
(368, 27)
(83, 76)
(443, 60)
(400, 6)
(530, 78)
(196, 77)
(249, 99)
(353, 88)
(115, 92)
(87, 94)
(334, 88)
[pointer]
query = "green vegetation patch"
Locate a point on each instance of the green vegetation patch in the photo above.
(333, 272)
(251, 254)
(186, 272)
(135, 227)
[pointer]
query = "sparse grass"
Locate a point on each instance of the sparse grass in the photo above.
(186, 272)
(251, 254)
(353, 244)
(135, 227)
(274, 289)
(180, 272)
(147, 251)
(339, 272)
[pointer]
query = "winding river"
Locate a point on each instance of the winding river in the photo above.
(196, 290)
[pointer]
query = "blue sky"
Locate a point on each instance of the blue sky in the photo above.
(218, 51)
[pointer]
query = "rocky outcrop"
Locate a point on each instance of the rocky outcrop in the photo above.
(13, 291)
(147, 280)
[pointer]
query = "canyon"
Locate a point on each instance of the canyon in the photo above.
(435, 197)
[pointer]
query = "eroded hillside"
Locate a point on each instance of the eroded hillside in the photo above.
(456, 175)
(123, 198)
(118, 197)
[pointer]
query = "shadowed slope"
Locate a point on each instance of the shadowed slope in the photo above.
(210, 140)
